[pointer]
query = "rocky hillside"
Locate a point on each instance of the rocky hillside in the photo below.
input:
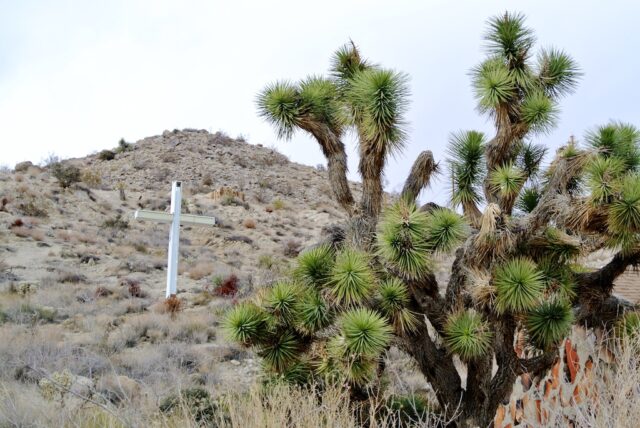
(82, 283)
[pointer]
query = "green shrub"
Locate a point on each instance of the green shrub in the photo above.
(278, 204)
(106, 155)
(66, 175)
(123, 146)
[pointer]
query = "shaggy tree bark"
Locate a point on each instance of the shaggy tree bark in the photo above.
(334, 151)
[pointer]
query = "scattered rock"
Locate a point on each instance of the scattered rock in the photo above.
(82, 386)
(89, 259)
(118, 388)
(23, 166)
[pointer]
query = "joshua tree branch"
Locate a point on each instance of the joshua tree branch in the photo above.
(436, 365)
(507, 361)
(419, 177)
(370, 167)
(539, 365)
(334, 151)
(455, 297)
(601, 280)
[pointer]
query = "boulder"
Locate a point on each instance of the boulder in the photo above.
(118, 388)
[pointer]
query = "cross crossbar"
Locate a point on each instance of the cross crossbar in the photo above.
(168, 218)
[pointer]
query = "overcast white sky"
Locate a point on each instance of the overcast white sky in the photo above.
(76, 76)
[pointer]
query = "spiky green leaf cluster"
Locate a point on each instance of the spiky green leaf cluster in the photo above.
(445, 230)
(346, 63)
(508, 37)
(393, 298)
(519, 285)
(530, 158)
(549, 323)
(280, 351)
(558, 246)
(314, 266)
(528, 199)
(466, 166)
(493, 84)
(282, 300)
(559, 278)
(624, 212)
(558, 73)
(365, 332)
(603, 174)
(468, 335)
(507, 180)
(245, 323)
(278, 103)
(539, 111)
(618, 140)
(352, 280)
(379, 98)
(314, 314)
(402, 239)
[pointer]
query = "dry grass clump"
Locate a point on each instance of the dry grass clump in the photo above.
(249, 223)
(91, 178)
(200, 270)
(172, 305)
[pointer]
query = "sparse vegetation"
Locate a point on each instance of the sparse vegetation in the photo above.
(106, 155)
(66, 175)
(117, 223)
(278, 204)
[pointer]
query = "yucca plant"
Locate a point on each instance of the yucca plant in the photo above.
(371, 283)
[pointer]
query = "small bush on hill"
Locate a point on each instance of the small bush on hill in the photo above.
(65, 174)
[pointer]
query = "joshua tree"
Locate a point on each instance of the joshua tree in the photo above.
(371, 285)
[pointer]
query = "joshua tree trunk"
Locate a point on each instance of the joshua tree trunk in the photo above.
(333, 150)
(370, 168)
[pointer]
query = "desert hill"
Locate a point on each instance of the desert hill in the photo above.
(82, 283)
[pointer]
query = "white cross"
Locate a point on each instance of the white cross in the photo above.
(175, 218)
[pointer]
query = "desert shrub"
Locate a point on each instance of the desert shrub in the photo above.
(106, 155)
(135, 290)
(278, 204)
(65, 174)
(207, 180)
(226, 287)
(33, 208)
(249, 223)
(123, 146)
(292, 248)
(200, 270)
(116, 223)
(172, 305)
(71, 278)
(266, 261)
(196, 403)
(230, 200)
(140, 247)
(102, 292)
(27, 313)
(91, 178)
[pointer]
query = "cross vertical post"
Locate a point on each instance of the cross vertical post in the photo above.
(174, 238)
